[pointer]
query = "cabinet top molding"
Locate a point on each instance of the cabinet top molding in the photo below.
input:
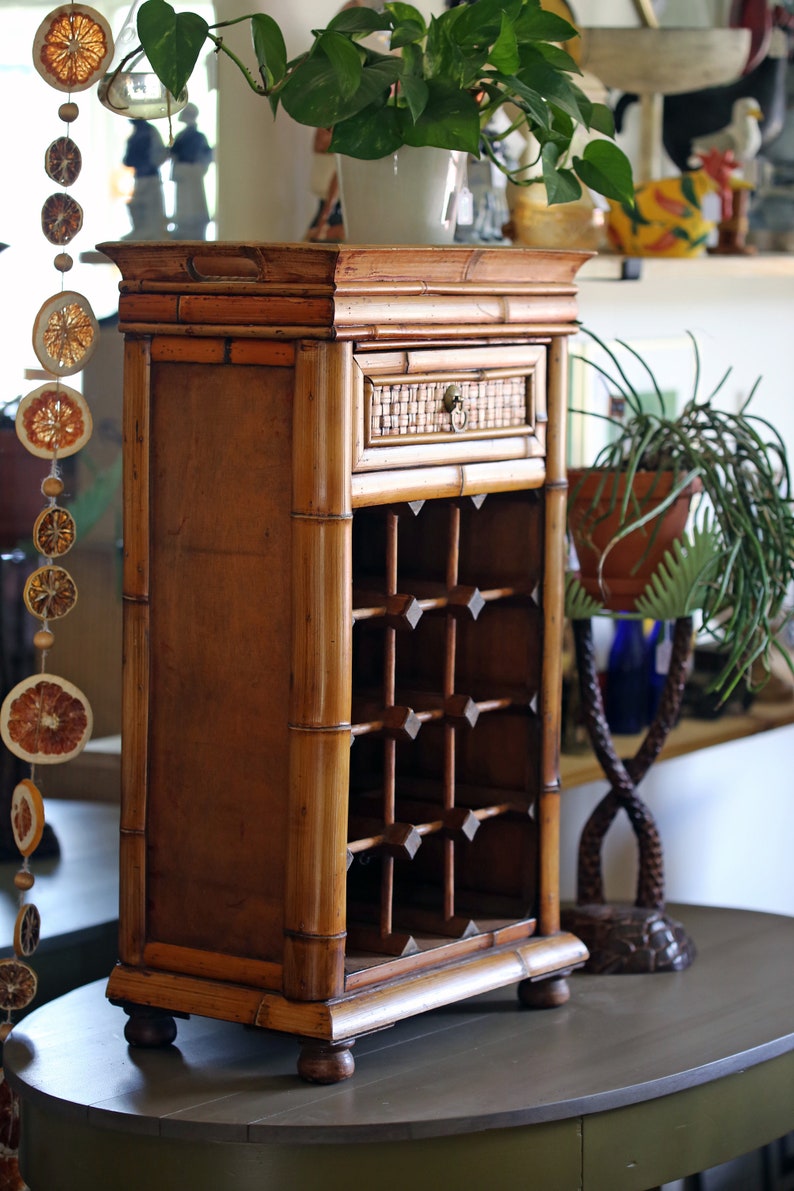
(343, 291)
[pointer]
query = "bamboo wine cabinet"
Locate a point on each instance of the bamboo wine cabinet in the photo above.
(343, 580)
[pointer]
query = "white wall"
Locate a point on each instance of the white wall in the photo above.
(726, 820)
(743, 321)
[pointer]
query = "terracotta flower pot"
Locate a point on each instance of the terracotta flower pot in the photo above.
(629, 563)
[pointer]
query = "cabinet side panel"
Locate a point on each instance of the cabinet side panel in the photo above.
(220, 632)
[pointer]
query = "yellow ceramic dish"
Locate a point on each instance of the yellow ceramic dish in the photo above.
(669, 219)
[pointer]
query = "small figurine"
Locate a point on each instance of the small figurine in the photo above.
(742, 136)
(191, 156)
(145, 153)
(728, 157)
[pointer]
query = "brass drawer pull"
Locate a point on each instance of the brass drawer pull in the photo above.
(453, 404)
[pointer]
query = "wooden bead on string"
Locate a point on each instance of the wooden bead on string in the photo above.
(24, 879)
(68, 112)
(52, 486)
(43, 639)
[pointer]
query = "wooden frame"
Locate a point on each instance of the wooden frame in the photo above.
(341, 645)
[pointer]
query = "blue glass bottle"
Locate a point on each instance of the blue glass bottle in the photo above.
(626, 704)
(660, 649)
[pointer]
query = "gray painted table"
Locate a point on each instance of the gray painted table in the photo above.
(636, 1081)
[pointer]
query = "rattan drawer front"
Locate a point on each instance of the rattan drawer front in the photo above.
(445, 405)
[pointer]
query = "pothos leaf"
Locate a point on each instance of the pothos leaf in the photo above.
(269, 47)
(603, 168)
(171, 41)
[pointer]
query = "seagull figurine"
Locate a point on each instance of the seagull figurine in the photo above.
(742, 136)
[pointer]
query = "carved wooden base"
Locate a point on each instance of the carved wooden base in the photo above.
(149, 1027)
(326, 1062)
(622, 938)
(544, 994)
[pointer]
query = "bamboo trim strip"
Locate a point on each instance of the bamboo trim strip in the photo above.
(135, 686)
(169, 957)
(163, 990)
(424, 363)
(191, 350)
(411, 289)
(132, 896)
(136, 480)
(471, 479)
(551, 676)
(355, 332)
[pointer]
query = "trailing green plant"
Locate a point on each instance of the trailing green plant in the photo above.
(739, 563)
(579, 604)
(679, 584)
(440, 83)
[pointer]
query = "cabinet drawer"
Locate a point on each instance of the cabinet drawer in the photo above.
(449, 405)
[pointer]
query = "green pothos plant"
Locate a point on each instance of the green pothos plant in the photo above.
(384, 79)
(736, 562)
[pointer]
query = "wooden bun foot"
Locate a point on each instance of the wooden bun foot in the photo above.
(544, 994)
(149, 1027)
(326, 1062)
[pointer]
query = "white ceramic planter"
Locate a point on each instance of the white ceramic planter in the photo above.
(407, 198)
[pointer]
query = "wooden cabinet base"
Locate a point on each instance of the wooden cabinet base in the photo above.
(344, 515)
(328, 1029)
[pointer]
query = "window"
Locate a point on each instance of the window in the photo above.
(30, 123)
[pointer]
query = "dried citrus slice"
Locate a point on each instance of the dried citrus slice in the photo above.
(63, 161)
(27, 816)
(54, 532)
(61, 218)
(18, 984)
(27, 931)
(65, 333)
(72, 47)
(45, 720)
(53, 420)
(49, 593)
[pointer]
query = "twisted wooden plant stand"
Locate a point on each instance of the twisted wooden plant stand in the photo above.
(642, 937)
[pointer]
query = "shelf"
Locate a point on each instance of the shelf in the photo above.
(612, 266)
(687, 737)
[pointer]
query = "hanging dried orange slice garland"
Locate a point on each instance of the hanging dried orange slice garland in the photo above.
(46, 720)
(53, 421)
(72, 47)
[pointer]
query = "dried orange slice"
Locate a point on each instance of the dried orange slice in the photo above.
(27, 816)
(61, 218)
(49, 593)
(45, 720)
(18, 984)
(27, 931)
(72, 47)
(54, 532)
(53, 420)
(65, 333)
(63, 161)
